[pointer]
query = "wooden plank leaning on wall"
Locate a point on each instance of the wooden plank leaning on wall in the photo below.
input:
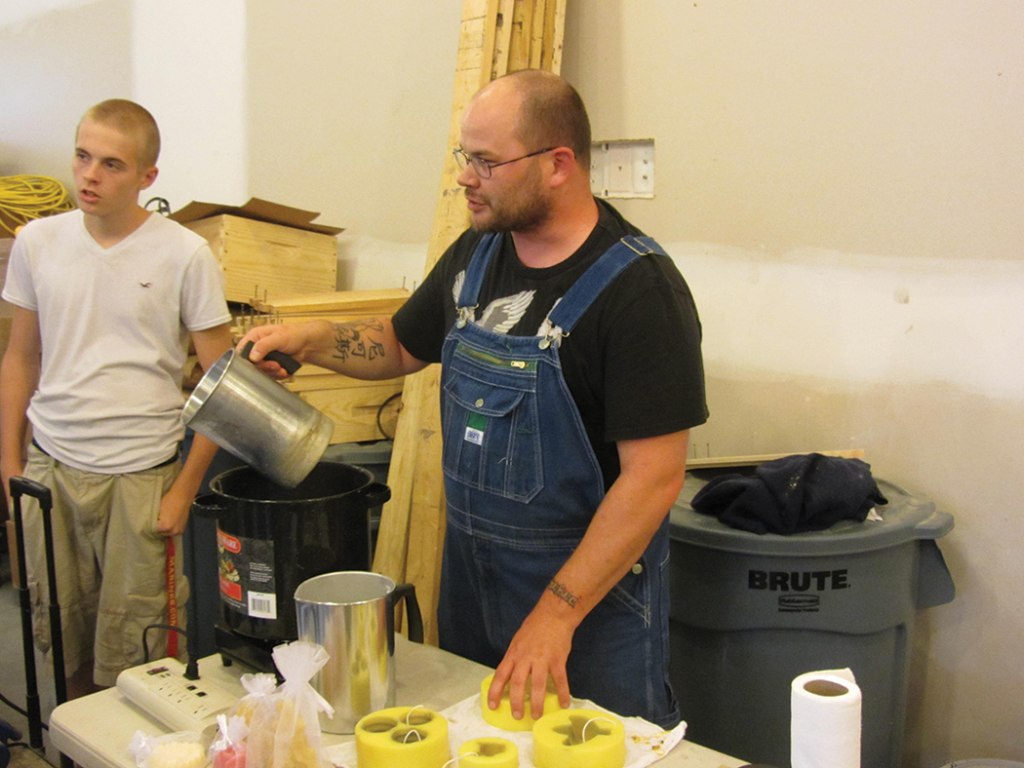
(497, 37)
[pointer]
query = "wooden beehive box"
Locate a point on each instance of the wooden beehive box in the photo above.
(361, 410)
(270, 259)
(266, 249)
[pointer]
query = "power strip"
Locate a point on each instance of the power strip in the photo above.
(161, 689)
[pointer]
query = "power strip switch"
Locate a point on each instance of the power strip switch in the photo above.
(161, 689)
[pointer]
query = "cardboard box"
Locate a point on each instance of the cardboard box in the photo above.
(266, 249)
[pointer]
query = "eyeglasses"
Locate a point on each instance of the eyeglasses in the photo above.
(482, 167)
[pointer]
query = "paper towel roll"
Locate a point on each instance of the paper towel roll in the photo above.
(825, 725)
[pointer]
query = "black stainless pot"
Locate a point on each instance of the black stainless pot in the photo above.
(270, 539)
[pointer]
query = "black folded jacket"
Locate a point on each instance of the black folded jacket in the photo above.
(804, 492)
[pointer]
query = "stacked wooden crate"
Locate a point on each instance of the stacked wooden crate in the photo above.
(266, 249)
(360, 410)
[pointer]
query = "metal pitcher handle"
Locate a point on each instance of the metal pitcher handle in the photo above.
(412, 608)
(289, 363)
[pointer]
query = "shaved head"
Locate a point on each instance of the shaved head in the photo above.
(132, 120)
(550, 113)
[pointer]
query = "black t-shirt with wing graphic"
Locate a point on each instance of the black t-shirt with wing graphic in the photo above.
(632, 363)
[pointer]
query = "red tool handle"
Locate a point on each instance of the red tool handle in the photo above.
(172, 602)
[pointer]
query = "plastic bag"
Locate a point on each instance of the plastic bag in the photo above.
(228, 750)
(259, 688)
(184, 749)
(285, 730)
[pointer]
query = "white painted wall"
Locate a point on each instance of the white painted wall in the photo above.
(190, 69)
(54, 66)
(840, 183)
(16, 12)
(191, 75)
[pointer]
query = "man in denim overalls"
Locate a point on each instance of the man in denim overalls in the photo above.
(571, 374)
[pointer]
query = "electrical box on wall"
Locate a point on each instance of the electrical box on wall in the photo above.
(622, 168)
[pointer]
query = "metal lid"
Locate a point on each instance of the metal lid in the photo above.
(907, 517)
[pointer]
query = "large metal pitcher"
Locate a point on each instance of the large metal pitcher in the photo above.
(249, 414)
(351, 614)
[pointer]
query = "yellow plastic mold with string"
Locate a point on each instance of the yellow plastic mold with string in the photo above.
(579, 738)
(488, 752)
(411, 737)
(502, 716)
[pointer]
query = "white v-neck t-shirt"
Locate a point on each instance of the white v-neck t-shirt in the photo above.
(114, 324)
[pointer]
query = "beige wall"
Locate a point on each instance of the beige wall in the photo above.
(355, 123)
(840, 183)
(876, 127)
(54, 66)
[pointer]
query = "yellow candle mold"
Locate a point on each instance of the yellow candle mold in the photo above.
(489, 752)
(412, 737)
(502, 716)
(579, 738)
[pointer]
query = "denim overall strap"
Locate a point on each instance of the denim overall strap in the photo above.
(475, 273)
(583, 292)
(522, 484)
(581, 295)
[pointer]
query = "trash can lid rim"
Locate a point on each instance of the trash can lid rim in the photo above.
(907, 517)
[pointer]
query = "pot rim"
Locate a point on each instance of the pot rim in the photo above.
(358, 490)
(335, 603)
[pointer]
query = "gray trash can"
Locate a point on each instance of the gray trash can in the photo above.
(751, 612)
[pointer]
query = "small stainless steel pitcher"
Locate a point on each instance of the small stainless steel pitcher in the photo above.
(249, 414)
(351, 614)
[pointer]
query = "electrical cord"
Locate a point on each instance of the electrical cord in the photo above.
(8, 738)
(24, 198)
(162, 206)
(145, 645)
(145, 652)
(380, 412)
(191, 669)
(14, 706)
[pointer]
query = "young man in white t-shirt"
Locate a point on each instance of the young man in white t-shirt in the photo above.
(106, 298)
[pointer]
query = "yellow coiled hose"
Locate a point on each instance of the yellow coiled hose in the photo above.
(23, 198)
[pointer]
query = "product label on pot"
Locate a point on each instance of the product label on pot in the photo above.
(247, 575)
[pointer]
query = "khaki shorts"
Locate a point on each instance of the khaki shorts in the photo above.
(111, 564)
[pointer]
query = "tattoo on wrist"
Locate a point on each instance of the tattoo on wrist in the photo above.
(560, 591)
(353, 340)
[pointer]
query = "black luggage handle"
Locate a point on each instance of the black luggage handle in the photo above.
(22, 486)
(18, 487)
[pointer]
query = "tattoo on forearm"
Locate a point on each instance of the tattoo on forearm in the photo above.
(562, 593)
(353, 340)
